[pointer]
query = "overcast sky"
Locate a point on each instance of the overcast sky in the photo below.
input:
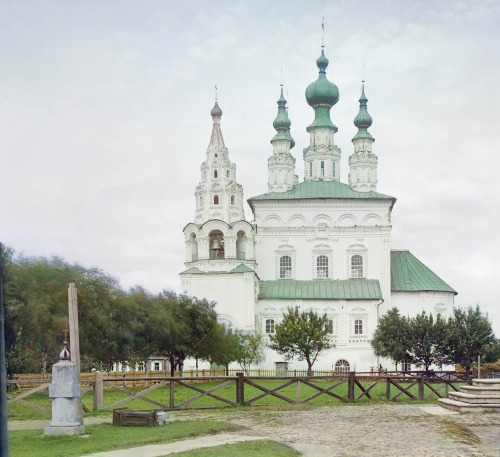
(104, 122)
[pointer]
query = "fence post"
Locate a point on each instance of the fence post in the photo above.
(240, 388)
(350, 386)
(297, 391)
(421, 387)
(172, 395)
(446, 387)
(388, 388)
(98, 392)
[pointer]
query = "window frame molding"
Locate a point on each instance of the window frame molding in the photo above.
(355, 315)
(285, 250)
(361, 250)
(327, 251)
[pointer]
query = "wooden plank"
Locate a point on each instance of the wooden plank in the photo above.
(271, 392)
(203, 393)
(364, 392)
(138, 395)
(433, 390)
(403, 390)
(33, 405)
(325, 391)
(26, 394)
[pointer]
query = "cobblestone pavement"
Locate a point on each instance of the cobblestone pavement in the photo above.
(380, 430)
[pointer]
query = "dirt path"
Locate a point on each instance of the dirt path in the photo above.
(381, 430)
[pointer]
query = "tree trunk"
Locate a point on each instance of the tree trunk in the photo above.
(172, 365)
(309, 366)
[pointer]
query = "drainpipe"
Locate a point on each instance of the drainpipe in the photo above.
(378, 305)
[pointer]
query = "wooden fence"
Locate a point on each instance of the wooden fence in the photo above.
(224, 391)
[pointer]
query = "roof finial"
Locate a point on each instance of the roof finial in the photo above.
(216, 92)
(323, 32)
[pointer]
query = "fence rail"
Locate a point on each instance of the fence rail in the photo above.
(176, 393)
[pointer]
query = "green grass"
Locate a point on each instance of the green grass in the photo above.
(259, 448)
(98, 438)
(18, 411)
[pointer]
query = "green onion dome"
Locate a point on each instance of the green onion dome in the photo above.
(282, 123)
(363, 120)
(216, 111)
(322, 92)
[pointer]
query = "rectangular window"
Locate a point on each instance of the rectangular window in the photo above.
(322, 266)
(358, 327)
(310, 169)
(357, 266)
(333, 169)
(269, 325)
(322, 168)
(285, 267)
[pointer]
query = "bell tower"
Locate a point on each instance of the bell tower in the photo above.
(218, 195)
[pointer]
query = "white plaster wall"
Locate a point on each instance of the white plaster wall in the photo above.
(413, 303)
(356, 349)
(234, 293)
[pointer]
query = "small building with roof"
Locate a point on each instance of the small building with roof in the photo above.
(318, 244)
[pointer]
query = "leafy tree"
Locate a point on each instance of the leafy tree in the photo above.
(426, 340)
(391, 337)
(249, 350)
(201, 322)
(302, 334)
(222, 347)
(469, 336)
(492, 352)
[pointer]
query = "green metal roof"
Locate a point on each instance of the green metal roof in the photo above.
(349, 289)
(242, 268)
(320, 189)
(410, 275)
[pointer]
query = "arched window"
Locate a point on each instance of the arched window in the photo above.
(333, 169)
(285, 267)
(342, 366)
(322, 168)
(216, 199)
(329, 326)
(322, 266)
(269, 325)
(358, 327)
(227, 174)
(194, 248)
(215, 173)
(241, 245)
(233, 200)
(310, 169)
(356, 266)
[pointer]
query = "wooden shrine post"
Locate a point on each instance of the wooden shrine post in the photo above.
(74, 332)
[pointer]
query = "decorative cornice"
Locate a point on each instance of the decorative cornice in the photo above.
(368, 229)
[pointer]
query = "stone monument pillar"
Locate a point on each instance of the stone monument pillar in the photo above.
(65, 394)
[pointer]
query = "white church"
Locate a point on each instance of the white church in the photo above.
(319, 244)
